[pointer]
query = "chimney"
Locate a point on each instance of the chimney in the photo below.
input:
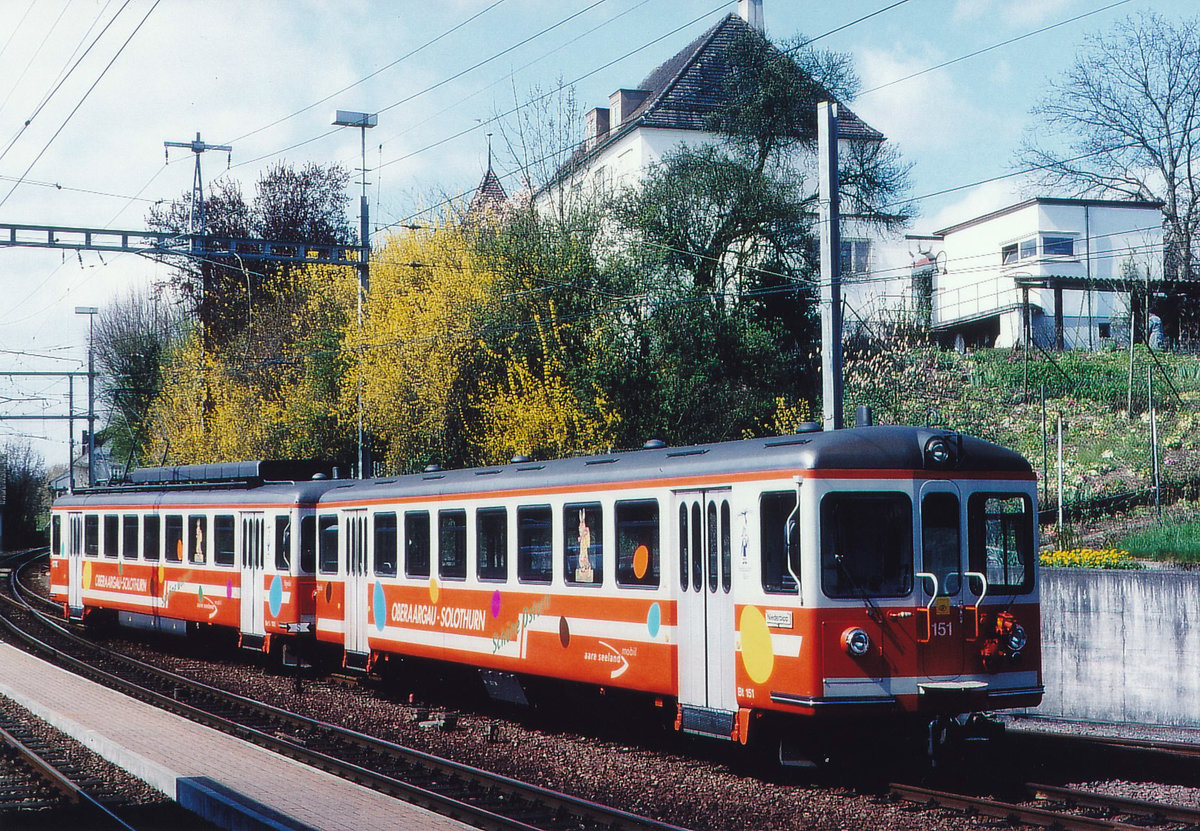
(751, 11)
(623, 102)
(597, 126)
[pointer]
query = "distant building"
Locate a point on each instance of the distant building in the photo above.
(1070, 273)
(669, 109)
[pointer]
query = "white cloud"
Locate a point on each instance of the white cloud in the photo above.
(1011, 12)
(976, 202)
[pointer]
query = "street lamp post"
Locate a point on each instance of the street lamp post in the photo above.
(91, 312)
(363, 121)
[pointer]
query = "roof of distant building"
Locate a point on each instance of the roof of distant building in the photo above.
(685, 91)
(1051, 200)
(489, 196)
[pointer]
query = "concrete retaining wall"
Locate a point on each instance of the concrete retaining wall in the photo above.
(1121, 646)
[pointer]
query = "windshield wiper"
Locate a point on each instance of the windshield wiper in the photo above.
(872, 610)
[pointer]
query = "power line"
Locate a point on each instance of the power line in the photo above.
(71, 115)
(363, 80)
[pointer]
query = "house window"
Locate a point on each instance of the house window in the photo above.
(856, 256)
(1058, 246)
(1008, 254)
(1028, 248)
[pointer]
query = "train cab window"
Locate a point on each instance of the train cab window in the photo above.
(91, 535)
(779, 541)
(726, 549)
(535, 559)
(866, 544)
(197, 544)
(56, 536)
(1000, 528)
(452, 544)
(151, 536)
(283, 543)
(174, 531)
(637, 543)
(491, 543)
(387, 544)
(941, 542)
(583, 544)
(308, 544)
(327, 543)
(223, 540)
(416, 544)
(112, 534)
(129, 536)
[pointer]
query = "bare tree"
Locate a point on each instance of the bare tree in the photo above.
(1124, 122)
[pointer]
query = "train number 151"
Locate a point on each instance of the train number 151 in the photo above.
(942, 629)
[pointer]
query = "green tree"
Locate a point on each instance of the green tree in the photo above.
(25, 496)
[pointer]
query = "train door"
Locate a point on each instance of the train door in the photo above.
(356, 609)
(707, 639)
(75, 565)
(253, 600)
(942, 629)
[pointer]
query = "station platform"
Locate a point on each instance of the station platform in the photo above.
(230, 782)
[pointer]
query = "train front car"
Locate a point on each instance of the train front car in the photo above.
(898, 586)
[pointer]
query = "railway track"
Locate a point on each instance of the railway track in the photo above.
(467, 794)
(1061, 808)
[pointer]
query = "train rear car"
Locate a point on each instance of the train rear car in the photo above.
(193, 548)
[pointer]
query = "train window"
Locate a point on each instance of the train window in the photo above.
(1000, 529)
(535, 559)
(637, 543)
(223, 545)
(941, 541)
(779, 542)
(416, 543)
(197, 539)
(387, 541)
(283, 543)
(174, 531)
(713, 535)
(91, 535)
(491, 543)
(726, 549)
(683, 547)
(129, 536)
(327, 543)
(56, 536)
(151, 536)
(452, 543)
(697, 549)
(308, 544)
(112, 534)
(583, 544)
(866, 544)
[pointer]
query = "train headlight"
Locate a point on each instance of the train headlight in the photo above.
(1016, 639)
(856, 642)
(939, 452)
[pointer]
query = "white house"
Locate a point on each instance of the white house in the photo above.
(1066, 272)
(668, 110)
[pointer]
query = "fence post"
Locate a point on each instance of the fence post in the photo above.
(1153, 439)
(1060, 478)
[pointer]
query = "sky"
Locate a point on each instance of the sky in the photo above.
(91, 89)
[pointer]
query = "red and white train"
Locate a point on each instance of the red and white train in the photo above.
(756, 588)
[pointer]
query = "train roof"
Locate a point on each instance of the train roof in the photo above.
(883, 448)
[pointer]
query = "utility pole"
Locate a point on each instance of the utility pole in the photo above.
(197, 222)
(197, 228)
(831, 266)
(363, 121)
